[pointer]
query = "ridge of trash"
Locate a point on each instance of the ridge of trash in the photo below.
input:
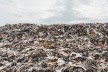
(28, 47)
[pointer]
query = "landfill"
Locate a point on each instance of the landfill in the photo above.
(79, 47)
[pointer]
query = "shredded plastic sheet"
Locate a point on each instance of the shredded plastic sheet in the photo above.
(54, 48)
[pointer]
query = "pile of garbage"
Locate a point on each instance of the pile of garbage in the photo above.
(54, 48)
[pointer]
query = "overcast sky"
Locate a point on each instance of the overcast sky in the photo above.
(53, 11)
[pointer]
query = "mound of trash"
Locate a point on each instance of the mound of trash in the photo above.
(54, 48)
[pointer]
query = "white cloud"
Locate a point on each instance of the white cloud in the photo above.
(17, 11)
(76, 11)
(53, 11)
(97, 9)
